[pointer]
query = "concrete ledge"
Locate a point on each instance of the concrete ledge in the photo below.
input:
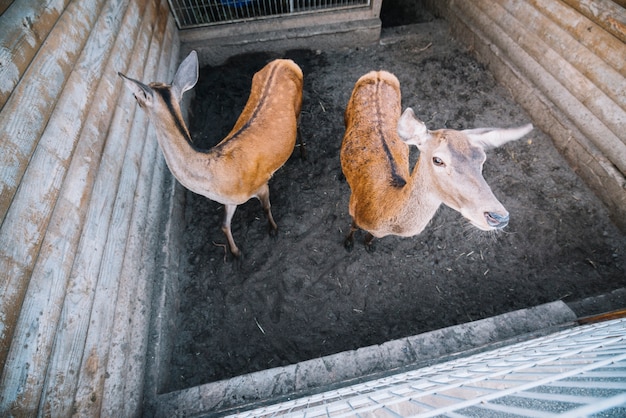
(599, 305)
(214, 47)
(341, 369)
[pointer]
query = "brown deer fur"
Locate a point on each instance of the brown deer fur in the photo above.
(387, 199)
(240, 166)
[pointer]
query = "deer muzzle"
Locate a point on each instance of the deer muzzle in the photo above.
(496, 220)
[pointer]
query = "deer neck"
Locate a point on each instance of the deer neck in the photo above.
(176, 144)
(176, 149)
(422, 203)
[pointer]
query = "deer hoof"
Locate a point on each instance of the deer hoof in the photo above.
(235, 252)
(348, 244)
(237, 260)
(369, 242)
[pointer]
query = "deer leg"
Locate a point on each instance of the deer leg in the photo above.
(229, 211)
(264, 196)
(348, 242)
(369, 243)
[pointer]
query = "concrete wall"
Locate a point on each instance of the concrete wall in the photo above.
(82, 187)
(320, 30)
(563, 61)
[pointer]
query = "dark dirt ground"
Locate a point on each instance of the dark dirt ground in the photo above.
(301, 295)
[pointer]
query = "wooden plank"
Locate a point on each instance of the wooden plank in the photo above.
(124, 361)
(158, 226)
(586, 63)
(607, 47)
(25, 223)
(20, 241)
(128, 344)
(611, 16)
(10, 303)
(49, 278)
(25, 114)
(25, 365)
(110, 275)
(620, 2)
(163, 184)
(24, 25)
(166, 268)
(84, 269)
(616, 314)
(77, 313)
(164, 307)
(18, 272)
(491, 20)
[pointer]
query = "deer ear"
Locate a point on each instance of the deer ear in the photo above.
(412, 130)
(186, 76)
(494, 137)
(142, 93)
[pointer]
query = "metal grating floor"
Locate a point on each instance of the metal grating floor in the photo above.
(579, 372)
(199, 13)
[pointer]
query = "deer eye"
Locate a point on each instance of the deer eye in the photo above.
(438, 162)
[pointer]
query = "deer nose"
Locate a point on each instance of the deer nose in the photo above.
(497, 220)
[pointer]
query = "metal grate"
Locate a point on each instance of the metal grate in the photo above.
(198, 13)
(579, 372)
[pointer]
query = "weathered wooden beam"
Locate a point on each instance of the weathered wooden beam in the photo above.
(589, 108)
(40, 99)
(25, 25)
(79, 312)
(606, 47)
(608, 14)
(566, 46)
(41, 309)
(25, 114)
(111, 282)
(78, 169)
(123, 395)
(42, 306)
(165, 302)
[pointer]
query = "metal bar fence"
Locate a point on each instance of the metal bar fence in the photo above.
(198, 13)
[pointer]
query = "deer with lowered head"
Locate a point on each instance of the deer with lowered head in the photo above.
(387, 199)
(240, 166)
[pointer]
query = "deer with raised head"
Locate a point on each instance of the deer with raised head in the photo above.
(240, 166)
(387, 199)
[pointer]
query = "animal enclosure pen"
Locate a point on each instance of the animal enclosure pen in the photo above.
(301, 298)
(103, 255)
(198, 13)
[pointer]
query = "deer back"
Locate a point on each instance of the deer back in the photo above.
(374, 159)
(264, 136)
(269, 118)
